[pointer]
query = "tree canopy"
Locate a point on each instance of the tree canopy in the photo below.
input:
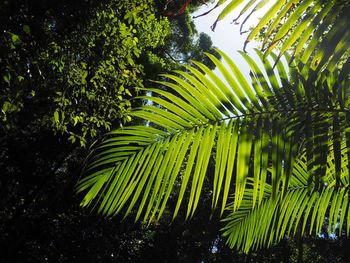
(52, 55)
(267, 154)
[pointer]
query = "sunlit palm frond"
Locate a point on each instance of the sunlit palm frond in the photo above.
(198, 115)
(250, 127)
(316, 29)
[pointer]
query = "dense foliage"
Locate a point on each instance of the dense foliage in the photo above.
(70, 71)
(86, 76)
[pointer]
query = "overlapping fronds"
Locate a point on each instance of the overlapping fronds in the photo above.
(303, 208)
(251, 128)
(316, 29)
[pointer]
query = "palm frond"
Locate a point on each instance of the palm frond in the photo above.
(317, 30)
(250, 130)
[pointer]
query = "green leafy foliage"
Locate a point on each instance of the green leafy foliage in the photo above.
(91, 73)
(102, 78)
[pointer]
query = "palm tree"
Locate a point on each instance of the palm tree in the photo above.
(279, 141)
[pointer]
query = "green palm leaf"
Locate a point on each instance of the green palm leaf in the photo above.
(317, 30)
(251, 131)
